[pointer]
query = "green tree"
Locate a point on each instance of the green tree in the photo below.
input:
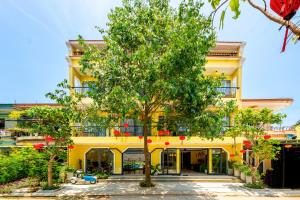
(252, 124)
(54, 123)
(154, 61)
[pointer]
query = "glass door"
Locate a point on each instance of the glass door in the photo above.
(219, 158)
(169, 158)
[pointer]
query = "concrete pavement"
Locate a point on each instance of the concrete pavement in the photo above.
(179, 190)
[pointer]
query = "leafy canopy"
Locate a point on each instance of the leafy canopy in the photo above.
(154, 61)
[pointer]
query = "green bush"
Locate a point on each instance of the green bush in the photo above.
(254, 185)
(26, 162)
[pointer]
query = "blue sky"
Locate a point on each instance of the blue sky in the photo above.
(33, 50)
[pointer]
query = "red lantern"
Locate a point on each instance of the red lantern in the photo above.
(38, 146)
(286, 9)
(125, 125)
(48, 138)
(243, 151)
(266, 137)
(70, 147)
(231, 155)
(149, 141)
(182, 137)
(167, 132)
(117, 133)
(167, 143)
(127, 134)
(140, 137)
(160, 133)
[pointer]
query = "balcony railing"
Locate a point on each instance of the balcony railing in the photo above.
(228, 92)
(81, 90)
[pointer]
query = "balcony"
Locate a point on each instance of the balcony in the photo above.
(228, 92)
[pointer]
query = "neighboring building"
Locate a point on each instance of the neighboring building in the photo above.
(10, 135)
(97, 149)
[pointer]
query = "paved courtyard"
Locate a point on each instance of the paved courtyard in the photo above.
(163, 190)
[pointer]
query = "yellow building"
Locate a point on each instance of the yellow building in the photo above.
(97, 149)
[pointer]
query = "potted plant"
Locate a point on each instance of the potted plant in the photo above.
(230, 168)
(155, 170)
(248, 175)
(243, 170)
(69, 172)
(236, 169)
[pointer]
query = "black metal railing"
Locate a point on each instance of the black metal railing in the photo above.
(228, 92)
(90, 131)
(280, 128)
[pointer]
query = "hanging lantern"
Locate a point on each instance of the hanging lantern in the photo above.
(70, 147)
(38, 146)
(167, 132)
(231, 155)
(140, 137)
(266, 137)
(243, 151)
(127, 134)
(182, 137)
(117, 133)
(126, 125)
(247, 144)
(167, 143)
(48, 138)
(149, 141)
(286, 9)
(160, 133)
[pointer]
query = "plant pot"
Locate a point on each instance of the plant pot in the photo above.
(243, 176)
(69, 175)
(237, 172)
(249, 179)
(230, 171)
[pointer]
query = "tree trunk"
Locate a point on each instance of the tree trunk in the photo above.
(50, 170)
(146, 151)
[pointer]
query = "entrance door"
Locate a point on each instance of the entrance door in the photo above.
(194, 161)
(168, 160)
(219, 158)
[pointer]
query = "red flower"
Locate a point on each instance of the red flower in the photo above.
(246, 142)
(117, 133)
(182, 137)
(149, 141)
(127, 134)
(125, 125)
(167, 132)
(161, 133)
(70, 147)
(167, 143)
(266, 137)
(140, 137)
(231, 155)
(38, 146)
(242, 151)
(48, 138)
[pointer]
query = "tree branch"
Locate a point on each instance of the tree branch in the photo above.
(292, 26)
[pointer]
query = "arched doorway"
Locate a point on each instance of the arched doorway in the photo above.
(133, 162)
(99, 160)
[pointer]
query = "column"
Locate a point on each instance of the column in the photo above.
(210, 161)
(178, 161)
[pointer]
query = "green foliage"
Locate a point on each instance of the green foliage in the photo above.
(102, 175)
(154, 59)
(251, 124)
(254, 185)
(24, 162)
(155, 169)
(235, 8)
(45, 186)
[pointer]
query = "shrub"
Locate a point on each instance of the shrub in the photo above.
(254, 185)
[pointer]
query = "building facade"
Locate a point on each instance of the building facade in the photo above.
(100, 150)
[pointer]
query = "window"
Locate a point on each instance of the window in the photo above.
(135, 127)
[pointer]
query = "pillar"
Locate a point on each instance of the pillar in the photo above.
(210, 161)
(178, 161)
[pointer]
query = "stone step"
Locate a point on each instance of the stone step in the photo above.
(163, 178)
